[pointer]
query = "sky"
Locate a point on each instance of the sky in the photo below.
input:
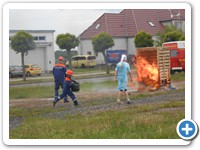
(61, 20)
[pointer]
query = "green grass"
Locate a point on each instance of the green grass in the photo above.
(178, 76)
(88, 70)
(51, 79)
(48, 91)
(28, 81)
(31, 92)
(141, 122)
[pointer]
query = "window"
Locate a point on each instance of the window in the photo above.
(97, 26)
(79, 58)
(91, 57)
(75, 58)
(41, 38)
(151, 23)
(174, 53)
(82, 58)
(35, 66)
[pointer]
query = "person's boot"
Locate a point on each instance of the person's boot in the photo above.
(55, 101)
(75, 102)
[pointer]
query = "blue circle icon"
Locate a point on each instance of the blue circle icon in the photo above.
(187, 129)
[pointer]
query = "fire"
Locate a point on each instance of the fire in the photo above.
(147, 73)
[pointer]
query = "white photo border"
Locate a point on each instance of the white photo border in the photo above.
(188, 53)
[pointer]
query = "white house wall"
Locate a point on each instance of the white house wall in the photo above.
(120, 44)
(131, 46)
(85, 46)
(43, 54)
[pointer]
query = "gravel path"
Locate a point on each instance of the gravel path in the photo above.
(85, 108)
(114, 105)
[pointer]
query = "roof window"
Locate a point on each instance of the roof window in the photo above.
(151, 24)
(97, 26)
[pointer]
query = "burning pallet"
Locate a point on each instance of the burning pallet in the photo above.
(153, 66)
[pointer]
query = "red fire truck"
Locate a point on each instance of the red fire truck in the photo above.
(177, 55)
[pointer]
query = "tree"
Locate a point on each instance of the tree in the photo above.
(172, 36)
(67, 41)
(101, 42)
(22, 42)
(143, 39)
(182, 38)
(160, 35)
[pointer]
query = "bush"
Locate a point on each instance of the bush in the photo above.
(143, 39)
(173, 36)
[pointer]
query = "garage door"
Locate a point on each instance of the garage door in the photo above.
(36, 56)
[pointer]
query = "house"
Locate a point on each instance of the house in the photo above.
(43, 54)
(125, 25)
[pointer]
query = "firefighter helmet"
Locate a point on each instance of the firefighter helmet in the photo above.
(69, 72)
(61, 58)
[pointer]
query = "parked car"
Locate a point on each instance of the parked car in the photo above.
(15, 71)
(82, 61)
(32, 69)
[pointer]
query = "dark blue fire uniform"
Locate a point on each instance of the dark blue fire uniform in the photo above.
(59, 78)
(67, 89)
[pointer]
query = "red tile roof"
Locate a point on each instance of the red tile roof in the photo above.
(130, 21)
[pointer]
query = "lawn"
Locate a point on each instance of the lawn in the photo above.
(98, 116)
(48, 91)
(152, 121)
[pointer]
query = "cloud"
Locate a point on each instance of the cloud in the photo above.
(61, 20)
(71, 21)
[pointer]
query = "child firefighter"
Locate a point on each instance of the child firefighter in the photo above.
(67, 89)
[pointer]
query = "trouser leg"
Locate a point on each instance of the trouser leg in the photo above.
(66, 97)
(56, 94)
(67, 92)
(73, 97)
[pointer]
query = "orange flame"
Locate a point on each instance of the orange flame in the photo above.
(147, 73)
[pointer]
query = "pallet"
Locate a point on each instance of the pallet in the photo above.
(159, 56)
(163, 64)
